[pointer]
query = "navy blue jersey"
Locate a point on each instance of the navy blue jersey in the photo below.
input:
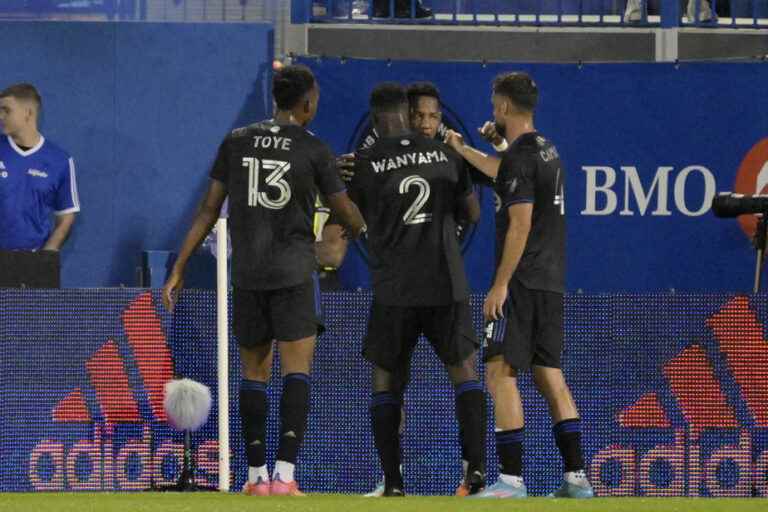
(531, 172)
(408, 190)
(34, 184)
(273, 174)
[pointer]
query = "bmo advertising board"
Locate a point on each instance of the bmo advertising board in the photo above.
(645, 148)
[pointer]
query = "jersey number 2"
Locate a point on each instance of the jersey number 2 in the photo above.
(414, 215)
(274, 179)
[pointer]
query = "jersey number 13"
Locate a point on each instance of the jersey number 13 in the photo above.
(276, 169)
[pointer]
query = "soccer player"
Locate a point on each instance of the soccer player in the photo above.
(37, 178)
(425, 117)
(272, 172)
(410, 190)
(525, 302)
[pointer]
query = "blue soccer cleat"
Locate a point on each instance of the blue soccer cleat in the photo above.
(569, 490)
(501, 490)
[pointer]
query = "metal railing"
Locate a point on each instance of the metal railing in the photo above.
(145, 10)
(665, 13)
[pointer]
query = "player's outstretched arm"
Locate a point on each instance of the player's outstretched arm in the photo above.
(348, 214)
(488, 165)
(204, 220)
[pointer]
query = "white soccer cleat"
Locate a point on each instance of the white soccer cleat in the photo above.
(377, 492)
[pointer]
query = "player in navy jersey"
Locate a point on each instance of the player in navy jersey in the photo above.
(524, 307)
(272, 172)
(38, 189)
(410, 189)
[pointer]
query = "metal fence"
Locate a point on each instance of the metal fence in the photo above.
(668, 13)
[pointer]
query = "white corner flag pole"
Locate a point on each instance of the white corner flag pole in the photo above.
(222, 328)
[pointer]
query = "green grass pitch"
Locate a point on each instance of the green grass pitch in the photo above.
(214, 502)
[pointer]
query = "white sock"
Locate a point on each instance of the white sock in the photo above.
(255, 473)
(514, 481)
(285, 470)
(464, 467)
(576, 478)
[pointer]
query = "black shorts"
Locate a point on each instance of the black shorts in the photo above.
(531, 332)
(393, 332)
(285, 314)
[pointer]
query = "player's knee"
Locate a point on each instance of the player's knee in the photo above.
(463, 372)
(550, 383)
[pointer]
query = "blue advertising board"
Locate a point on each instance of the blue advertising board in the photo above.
(645, 148)
(671, 390)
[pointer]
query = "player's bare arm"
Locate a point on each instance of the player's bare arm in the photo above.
(204, 220)
(348, 213)
(488, 165)
(514, 244)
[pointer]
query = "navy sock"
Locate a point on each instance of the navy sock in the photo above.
(509, 447)
(294, 409)
(254, 407)
(385, 417)
(568, 439)
(471, 416)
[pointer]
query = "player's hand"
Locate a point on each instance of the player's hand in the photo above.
(454, 139)
(346, 165)
(489, 132)
(171, 290)
(493, 307)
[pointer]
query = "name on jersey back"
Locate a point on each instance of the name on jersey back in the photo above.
(408, 159)
(272, 142)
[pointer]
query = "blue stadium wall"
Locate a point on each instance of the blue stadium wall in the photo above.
(671, 388)
(142, 108)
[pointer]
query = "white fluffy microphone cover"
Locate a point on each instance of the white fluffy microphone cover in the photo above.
(187, 403)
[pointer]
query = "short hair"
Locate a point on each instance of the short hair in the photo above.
(519, 87)
(388, 97)
(22, 91)
(417, 89)
(290, 84)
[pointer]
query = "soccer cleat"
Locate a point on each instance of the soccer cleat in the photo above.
(569, 490)
(501, 490)
(377, 492)
(280, 488)
(393, 492)
(258, 488)
(471, 485)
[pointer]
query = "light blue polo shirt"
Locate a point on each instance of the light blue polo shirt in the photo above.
(34, 184)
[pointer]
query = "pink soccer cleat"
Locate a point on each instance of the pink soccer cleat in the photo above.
(280, 488)
(258, 488)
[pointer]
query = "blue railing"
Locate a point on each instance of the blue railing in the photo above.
(666, 13)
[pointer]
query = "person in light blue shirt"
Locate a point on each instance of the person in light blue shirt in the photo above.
(38, 188)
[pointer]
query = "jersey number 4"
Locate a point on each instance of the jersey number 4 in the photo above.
(276, 170)
(414, 215)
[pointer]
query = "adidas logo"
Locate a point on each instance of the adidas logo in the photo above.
(125, 451)
(708, 448)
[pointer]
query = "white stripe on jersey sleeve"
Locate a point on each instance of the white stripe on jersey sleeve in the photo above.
(72, 191)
